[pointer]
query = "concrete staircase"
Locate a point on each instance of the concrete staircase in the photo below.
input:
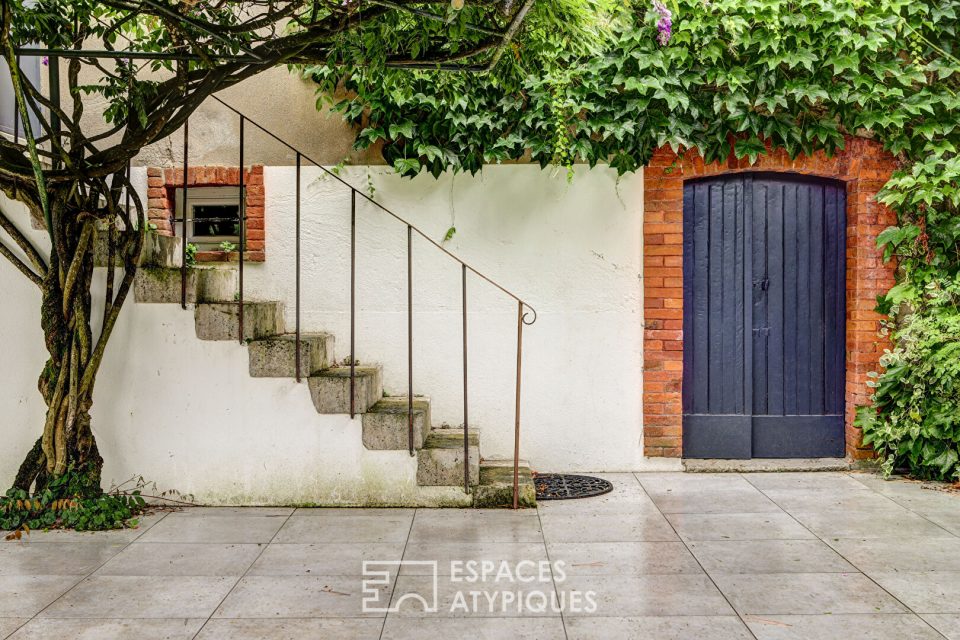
(272, 354)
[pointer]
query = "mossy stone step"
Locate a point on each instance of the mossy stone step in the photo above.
(220, 320)
(496, 486)
(385, 424)
(440, 462)
(330, 389)
(162, 285)
(276, 356)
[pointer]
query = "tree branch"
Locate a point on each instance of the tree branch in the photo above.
(33, 255)
(21, 265)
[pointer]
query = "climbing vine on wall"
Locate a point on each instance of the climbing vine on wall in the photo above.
(745, 75)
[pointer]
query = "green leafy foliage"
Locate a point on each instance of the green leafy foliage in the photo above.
(68, 502)
(915, 419)
(741, 76)
(191, 255)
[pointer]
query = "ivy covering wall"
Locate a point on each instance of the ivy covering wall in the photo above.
(722, 75)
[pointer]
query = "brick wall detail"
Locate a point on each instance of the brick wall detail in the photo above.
(162, 184)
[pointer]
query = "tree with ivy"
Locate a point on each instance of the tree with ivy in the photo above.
(741, 77)
(156, 61)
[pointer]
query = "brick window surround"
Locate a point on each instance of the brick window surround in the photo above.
(162, 184)
(864, 167)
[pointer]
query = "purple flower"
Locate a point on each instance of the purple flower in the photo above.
(45, 61)
(664, 23)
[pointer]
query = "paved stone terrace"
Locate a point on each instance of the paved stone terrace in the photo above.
(691, 556)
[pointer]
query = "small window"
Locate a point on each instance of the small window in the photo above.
(213, 216)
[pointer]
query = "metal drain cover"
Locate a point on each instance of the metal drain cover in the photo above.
(565, 486)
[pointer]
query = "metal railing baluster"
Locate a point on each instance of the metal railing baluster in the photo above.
(297, 345)
(183, 214)
(410, 339)
(243, 229)
(353, 301)
(516, 424)
(466, 421)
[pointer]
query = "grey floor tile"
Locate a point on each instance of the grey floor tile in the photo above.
(334, 559)
(657, 595)
(895, 522)
(343, 529)
(900, 554)
(25, 596)
(458, 557)
(463, 597)
(55, 558)
(738, 526)
(141, 597)
(74, 629)
(923, 591)
(292, 629)
(9, 625)
(920, 497)
(182, 559)
(768, 556)
(804, 481)
(300, 597)
(658, 628)
(398, 628)
(267, 512)
(748, 500)
(947, 519)
(446, 525)
(841, 627)
(324, 512)
(805, 593)
(607, 527)
(623, 558)
(681, 481)
(230, 529)
(947, 624)
(858, 500)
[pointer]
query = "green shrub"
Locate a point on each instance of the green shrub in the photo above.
(68, 502)
(915, 420)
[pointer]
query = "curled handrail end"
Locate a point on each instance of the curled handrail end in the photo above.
(523, 316)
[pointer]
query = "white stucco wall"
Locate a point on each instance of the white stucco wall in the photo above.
(184, 413)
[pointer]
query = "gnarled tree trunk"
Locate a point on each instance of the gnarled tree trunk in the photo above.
(66, 383)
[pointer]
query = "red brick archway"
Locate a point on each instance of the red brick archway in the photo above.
(864, 167)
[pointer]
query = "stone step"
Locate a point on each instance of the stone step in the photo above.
(157, 284)
(496, 485)
(385, 424)
(161, 251)
(220, 320)
(158, 251)
(330, 389)
(276, 357)
(440, 462)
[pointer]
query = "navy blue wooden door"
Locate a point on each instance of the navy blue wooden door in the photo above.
(764, 317)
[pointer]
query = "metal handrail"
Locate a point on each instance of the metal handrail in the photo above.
(526, 314)
(385, 209)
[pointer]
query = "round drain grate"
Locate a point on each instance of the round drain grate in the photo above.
(565, 486)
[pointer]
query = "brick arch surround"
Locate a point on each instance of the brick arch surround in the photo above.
(864, 167)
